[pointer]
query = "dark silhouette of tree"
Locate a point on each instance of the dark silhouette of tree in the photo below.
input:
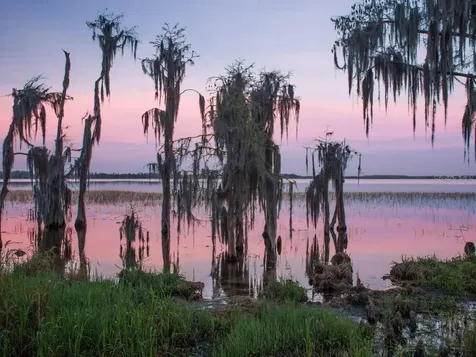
(167, 70)
(112, 37)
(47, 170)
(421, 47)
(332, 158)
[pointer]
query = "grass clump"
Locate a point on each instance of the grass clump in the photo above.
(46, 315)
(286, 331)
(285, 290)
(38, 263)
(164, 285)
(456, 276)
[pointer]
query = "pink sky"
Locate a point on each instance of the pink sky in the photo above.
(323, 91)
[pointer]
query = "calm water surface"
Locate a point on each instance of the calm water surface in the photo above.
(380, 231)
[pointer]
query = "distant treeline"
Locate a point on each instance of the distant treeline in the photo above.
(146, 175)
(393, 177)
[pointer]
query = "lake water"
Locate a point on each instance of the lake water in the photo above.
(382, 228)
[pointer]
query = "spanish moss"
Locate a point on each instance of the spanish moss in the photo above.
(47, 169)
(382, 42)
(333, 158)
(112, 37)
(167, 69)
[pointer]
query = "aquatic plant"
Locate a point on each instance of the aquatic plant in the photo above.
(131, 230)
(112, 37)
(382, 43)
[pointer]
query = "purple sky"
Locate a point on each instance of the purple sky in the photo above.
(274, 34)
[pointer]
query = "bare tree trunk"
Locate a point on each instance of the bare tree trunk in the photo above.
(341, 227)
(269, 272)
(170, 110)
(334, 216)
(240, 237)
(166, 196)
(327, 238)
(59, 128)
(269, 234)
(83, 265)
(51, 242)
(80, 223)
(55, 218)
(166, 254)
(85, 159)
(231, 228)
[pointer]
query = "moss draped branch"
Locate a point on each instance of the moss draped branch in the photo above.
(381, 43)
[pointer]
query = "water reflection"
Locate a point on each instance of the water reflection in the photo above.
(312, 256)
(378, 233)
(57, 244)
(136, 246)
(231, 276)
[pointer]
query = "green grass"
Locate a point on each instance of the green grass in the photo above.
(456, 276)
(282, 331)
(285, 290)
(45, 315)
(161, 284)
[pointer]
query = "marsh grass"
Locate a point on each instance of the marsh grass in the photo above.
(100, 197)
(438, 199)
(285, 290)
(44, 315)
(162, 284)
(287, 331)
(36, 264)
(454, 277)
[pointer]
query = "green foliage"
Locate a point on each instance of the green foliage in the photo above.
(456, 276)
(161, 284)
(39, 263)
(45, 316)
(48, 316)
(287, 331)
(285, 290)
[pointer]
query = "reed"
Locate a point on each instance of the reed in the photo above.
(100, 197)
(285, 290)
(152, 198)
